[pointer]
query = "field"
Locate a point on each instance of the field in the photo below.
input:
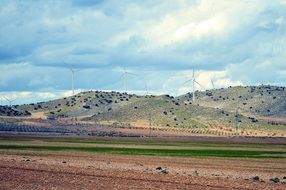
(141, 163)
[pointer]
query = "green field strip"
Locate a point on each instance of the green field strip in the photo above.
(155, 152)
(124, 142)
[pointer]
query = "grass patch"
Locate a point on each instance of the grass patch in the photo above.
(182, 144)
(15, 139)
(150, 143)
(155, 152)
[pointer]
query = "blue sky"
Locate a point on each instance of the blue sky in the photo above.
(239, 42)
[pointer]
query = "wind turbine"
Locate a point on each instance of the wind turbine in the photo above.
(124, 75)
(149, 114)
(73, 71)
(146, 89)
(212, 81)
(10, 101)
(194, 81)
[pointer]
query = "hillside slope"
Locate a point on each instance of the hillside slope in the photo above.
(9, 111)
(82, 104)
(163, 110)
(251, 100)
(213, 110)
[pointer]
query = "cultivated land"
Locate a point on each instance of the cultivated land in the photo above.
(121, 163)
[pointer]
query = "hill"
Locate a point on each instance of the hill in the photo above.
(261, 100)
(8, 111)
(214, 112)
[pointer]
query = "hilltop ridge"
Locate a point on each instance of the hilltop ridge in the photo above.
(264, 100)
(214, 111)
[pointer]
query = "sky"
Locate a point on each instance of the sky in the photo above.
(237, 42)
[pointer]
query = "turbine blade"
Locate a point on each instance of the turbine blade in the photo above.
(76, 70)
(187, 81)
(122, 76)
(130, 73)
(199, 84)
(212, 83)
(72, 69)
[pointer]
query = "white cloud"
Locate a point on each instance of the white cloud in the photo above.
(25, 97)
(205, 19)
(184, 90)
(282, 73)
(220, 79)
(224, 82)
(176, 83)
(232, 42)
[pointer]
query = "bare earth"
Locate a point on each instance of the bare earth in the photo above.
(73, 170)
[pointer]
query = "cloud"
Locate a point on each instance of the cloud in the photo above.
(181, 82)
(26, 97)
(236, 40)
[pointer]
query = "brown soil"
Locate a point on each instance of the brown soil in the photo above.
(39, 115)
(71, 170)
(214, 128)
(140, 127)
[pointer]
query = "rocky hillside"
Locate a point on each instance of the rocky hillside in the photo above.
(83, 104)
(215, 108)
(251, 100)
(8, 111)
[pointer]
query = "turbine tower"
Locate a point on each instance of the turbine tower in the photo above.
(124, 75)
(194, 81)
(73, 71)
(146, 88)
(212, 81)
(149, 113)
(10, 101)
